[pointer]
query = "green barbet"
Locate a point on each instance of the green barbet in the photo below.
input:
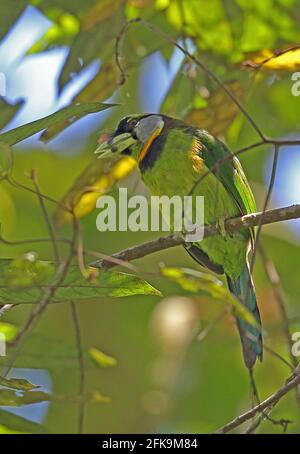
(172, 157)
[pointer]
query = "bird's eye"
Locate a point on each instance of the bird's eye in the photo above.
(132, 123)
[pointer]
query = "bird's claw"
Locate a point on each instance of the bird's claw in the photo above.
(221, 227)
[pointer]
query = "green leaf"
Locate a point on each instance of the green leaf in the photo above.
(94, 41)
(98, 398)
(27, 271)
(70, 114)
(205, 21)
(8, 330)
(20, 384)
(206, 284)
(4, 430)
(16, 424)
(11, 398)
(64, 28)
(21, 284)
(101, 359)
(7, 112)
(6, 160)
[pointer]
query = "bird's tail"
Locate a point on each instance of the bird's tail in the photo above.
(251, 336)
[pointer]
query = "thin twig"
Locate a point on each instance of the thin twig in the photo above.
(46, 217)
(18, 185)
(278, 356)
(271, 401)
(274, 279)
(255, 395)
(265, 415)
(32, 241)
(205, 332)
(81, 367)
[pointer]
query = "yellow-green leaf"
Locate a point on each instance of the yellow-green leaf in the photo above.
(280, 60)
(8, 330)
(27, 271)
(22, 283)
(206, 284)
(67, 114)
(20, 384)
(97, 179)
(102, 359)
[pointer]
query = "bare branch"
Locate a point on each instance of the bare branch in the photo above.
(292, 382)
(231, 226)
(264, 415)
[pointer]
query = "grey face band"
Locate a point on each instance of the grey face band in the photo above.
(146, 127)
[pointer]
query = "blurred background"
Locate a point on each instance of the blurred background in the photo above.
(160, 375)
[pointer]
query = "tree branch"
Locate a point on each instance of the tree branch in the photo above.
(78, 339)
(231, 226)
(271, 401)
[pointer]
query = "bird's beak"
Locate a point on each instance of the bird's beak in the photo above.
(115, 145)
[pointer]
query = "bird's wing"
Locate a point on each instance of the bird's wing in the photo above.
(230, 172)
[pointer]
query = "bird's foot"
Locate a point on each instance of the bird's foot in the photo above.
(221, 227)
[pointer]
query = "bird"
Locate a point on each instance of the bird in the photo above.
(172, 157)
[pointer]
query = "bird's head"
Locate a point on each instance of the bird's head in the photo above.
(133, 136)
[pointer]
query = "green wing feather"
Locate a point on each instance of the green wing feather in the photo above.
(230, 172)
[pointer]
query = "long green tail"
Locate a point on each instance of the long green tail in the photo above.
(250, 335)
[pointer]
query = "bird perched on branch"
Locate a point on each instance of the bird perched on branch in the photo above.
(176, 159)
